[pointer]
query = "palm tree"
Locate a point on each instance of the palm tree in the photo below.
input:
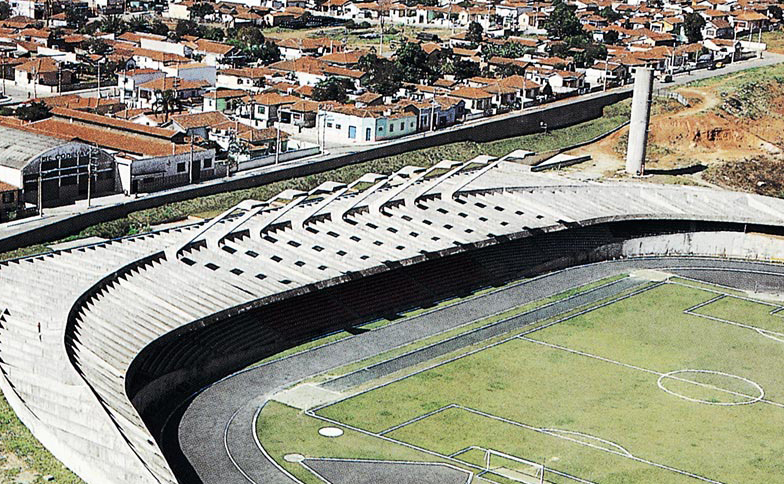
(166, 102)
(138, 23)
(113, 24)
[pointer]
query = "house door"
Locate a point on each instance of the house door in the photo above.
(196, 170)
(367, 134)
(352, 132)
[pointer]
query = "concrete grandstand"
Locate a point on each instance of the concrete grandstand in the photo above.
(99, 345)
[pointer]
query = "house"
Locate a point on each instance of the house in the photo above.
(261, 110)
(147, 158)
(308, 71)
(440, 112)
(249, 78)
(41, 74)
(248, 143)
(302, 113)
(223, 100)
(192, 71)
(154, 59)
(149, 93)
(211, 52)
(197, 124)
(749, 22)
(348, 125)
(478, 102)
(11, 201)
(128, 80)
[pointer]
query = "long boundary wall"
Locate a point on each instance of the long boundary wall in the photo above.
(556, 116)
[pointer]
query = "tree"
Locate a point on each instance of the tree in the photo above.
(511, 50)
(113, 24)
(214, 33)
(97, 46)
(610, 15)
(5, 11)
(251, 41)
(611, 37)
(201, 10)
(74, 17)
(465, 69)
(474, 33)
(166, 102)
(331, 89)
(157, 27)
(692, 26)
(411, 61)
(186, 27)
(563, 22)
(383, 76)
(251, 36)
(138, 23)
(34, 111)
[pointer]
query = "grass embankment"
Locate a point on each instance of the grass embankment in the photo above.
(214, 204)
(21, 452)
(613, 407)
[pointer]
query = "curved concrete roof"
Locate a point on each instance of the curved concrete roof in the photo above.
(18, 147)
(108, 301)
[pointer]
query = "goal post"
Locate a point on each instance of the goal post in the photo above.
(514, 468)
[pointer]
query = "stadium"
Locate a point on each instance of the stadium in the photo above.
(470, 322)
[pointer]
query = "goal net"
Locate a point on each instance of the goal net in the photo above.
(513, 468)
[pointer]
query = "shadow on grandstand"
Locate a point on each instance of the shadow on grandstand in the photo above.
(168, 371)
(686, 170)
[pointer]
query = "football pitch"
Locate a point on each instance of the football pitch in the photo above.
(680, 382)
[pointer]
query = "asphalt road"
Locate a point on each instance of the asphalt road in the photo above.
(216, 432)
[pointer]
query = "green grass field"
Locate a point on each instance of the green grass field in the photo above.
(604, 396)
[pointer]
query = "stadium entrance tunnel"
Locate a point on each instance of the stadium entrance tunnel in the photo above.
(169, 371)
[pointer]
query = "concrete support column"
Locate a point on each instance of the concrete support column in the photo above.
(638, 126)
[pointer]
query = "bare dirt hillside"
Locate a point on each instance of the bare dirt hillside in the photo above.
(734, 118)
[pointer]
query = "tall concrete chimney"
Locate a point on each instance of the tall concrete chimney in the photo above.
(638, 126)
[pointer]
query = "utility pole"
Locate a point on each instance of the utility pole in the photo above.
(59, 78)
(5, 62)
(35, 82)
(190, 169)
(89, 176)
(40, 190)
(277, 144)
(99, 82)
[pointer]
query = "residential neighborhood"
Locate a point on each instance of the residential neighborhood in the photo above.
(175, 93)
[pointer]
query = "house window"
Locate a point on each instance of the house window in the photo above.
(207, 163)
(262, 109)
(329, 125)
(181, 167)
(337, 126)
(381, 128)
(8, 197)
(239, 81)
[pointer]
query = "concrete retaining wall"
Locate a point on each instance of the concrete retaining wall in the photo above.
(556, 116)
